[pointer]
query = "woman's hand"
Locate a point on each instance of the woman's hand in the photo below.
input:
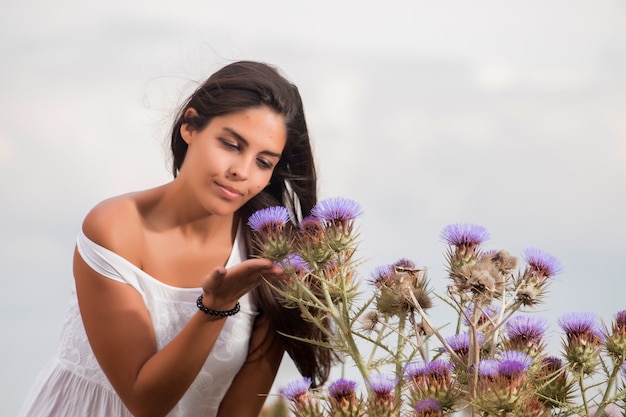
(223, 287)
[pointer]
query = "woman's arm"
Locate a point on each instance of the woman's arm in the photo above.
(121, 334)
(249, 389)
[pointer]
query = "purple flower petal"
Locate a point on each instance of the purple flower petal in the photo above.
(511, 368)
(526, 327)
(382, 275)
(296, 388)
(337, 209)
(415, 369)
(463, 234)
(404, 263)
(516, 356)
(488, 368)
(427, 406)
(579, 323)
(269, 216)
(382, 384)
(341, 388)
(542, 261)
(439, 368)
(297, 264)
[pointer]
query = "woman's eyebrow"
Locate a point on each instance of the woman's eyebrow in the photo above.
(246, 143)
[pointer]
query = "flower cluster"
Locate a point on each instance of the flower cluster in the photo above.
(493, 361)
(316, 252)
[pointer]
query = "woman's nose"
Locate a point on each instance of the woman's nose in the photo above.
(238, 171)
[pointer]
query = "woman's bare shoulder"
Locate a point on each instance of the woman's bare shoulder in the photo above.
(117, 225)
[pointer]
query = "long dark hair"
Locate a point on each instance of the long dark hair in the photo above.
(239, 86)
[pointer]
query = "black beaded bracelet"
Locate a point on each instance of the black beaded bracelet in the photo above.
(217, 313)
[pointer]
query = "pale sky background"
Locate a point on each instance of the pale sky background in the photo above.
(507, 114)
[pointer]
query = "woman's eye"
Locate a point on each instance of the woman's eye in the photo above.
(264, 164)
(229, 144)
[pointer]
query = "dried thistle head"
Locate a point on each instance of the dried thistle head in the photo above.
(400, 289)
(483, 280)
(370, 320)
(504, 261)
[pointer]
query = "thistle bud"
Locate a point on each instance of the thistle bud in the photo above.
(301, 401)
(616, 340)
(428, 407)
(554, 386)
(343, 399)
(382, 401)
(583, 341)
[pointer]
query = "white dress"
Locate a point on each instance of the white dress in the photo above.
(73, 384)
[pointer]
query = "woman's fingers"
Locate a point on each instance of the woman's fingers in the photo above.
(232, 283)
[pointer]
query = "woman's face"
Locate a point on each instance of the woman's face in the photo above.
(232, 159)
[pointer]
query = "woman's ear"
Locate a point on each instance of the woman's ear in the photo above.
(187, 129)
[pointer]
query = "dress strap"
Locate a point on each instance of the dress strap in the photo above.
(107, 263)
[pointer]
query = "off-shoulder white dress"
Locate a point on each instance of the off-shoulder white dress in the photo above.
(73, 384)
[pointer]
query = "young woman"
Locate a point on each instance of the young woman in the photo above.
(171, 314)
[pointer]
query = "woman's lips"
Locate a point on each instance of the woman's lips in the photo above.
(229, 192)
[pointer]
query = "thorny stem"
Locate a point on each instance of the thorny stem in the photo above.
(400, 347)
(343, 323)
(474, 355)
(418, 336)
(379, 339)
(607, 392)
(583, 392)
(438, 335)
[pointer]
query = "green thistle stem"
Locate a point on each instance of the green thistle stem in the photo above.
(377, 343)
(400, 350)
(474, 355)
(343, 324)
(583, 392)
(609, 388)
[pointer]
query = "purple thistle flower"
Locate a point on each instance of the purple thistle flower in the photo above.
(460, 343)
(382, 275)
(516, 356)
(488, 368)
(311, 228)
(526, 328)
(382, 384)
(341, 388)
(296, 389)
(415, 369)
(542, 262)
(552, 363)
(579, 323)
(404, 263)
(439, 368)
(337, 209)
(428, 407)
(623, 368)
(511, 368)
(463, 234)
(268, 217)
(620, 319)
(294, 262)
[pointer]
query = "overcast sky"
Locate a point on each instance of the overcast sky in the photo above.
(507, 114)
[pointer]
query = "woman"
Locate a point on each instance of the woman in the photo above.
(172, 314)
